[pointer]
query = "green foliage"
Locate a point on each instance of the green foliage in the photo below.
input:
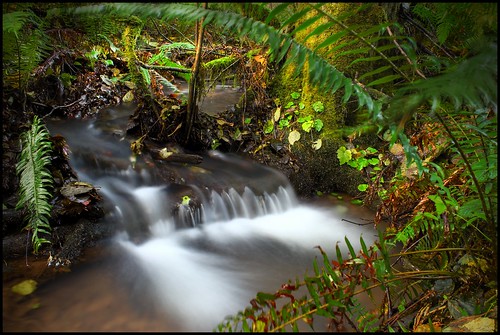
(371, 162)
(468, 85)
(446, 18)
(163, 58)
(24, 46)
(35, 182)
(293, 115)
(333, 292)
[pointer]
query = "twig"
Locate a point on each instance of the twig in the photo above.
(404, 53)
(58, 107)
(159, 31)
(359, 224)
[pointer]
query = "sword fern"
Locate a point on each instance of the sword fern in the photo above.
(35, 182)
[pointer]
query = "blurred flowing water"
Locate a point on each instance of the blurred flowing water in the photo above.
(176, 267)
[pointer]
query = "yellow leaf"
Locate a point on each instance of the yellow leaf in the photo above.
(260, 59)
(317, 144)
(129, 97)
(130, 84)
(293, 137)
(277, 114)
(164, 153)
(25, 287)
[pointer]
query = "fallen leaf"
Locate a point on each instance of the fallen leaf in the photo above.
(25, 287)
(293, 137)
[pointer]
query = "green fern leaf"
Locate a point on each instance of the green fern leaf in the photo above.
(35, 181)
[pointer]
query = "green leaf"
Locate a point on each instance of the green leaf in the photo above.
(440, 205)
(349, 246)
(471, 209)
(348, 91)
(306, 24)
(318, 125)
(363, 245)
(307, 126)
(344, 155)
(318, 107)
(269, 127)
(35, 181)
(357, 202)
(278, 9)
(362, 187)
(384, 80)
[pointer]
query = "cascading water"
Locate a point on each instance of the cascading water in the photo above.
(239, 231)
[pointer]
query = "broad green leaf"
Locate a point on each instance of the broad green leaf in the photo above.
(362, 187)
(440, 205)
(344, 155)
(318, 107)
(269, 127)
(318, 125)
(307, 126)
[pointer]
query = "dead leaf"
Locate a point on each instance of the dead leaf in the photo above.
(293, 137)
(317, 144)
(128, 97)
(277, 114)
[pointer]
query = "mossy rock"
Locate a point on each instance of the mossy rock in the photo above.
(322, 170)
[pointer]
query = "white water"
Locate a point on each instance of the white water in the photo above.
(201, 275)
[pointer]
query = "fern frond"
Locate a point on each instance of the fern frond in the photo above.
(35, 181)
(24, 46)
(472, 82)
(163, 58)
(165, 82)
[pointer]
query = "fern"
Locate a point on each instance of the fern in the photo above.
(24, 46)
(447, 19)
(35, 182)
(163, 58)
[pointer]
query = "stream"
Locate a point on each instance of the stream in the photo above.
(173, 267)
